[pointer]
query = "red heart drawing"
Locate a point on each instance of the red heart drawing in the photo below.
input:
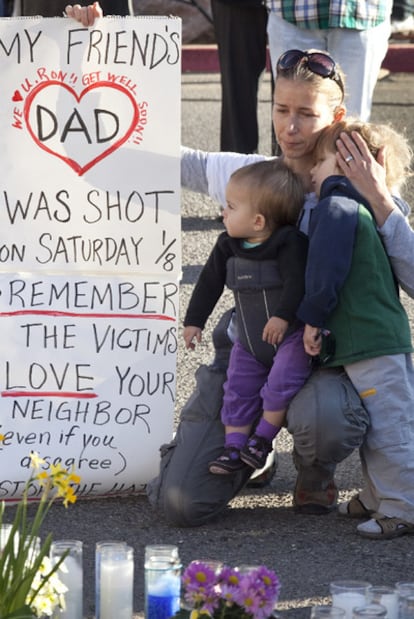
(114, 101)
(17, 96)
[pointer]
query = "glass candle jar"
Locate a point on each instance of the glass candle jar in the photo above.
(327, 612)
(5, 530)
(114, 564)
(387, 596)
(369, 610)
(405, 593)
(162, 581)
(348, 594)
(71, 576)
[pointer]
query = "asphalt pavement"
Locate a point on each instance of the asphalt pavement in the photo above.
(307, 552)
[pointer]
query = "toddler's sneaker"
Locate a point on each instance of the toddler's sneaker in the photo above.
(228, 462)
(255, 452)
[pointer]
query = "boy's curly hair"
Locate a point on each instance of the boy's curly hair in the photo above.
(397, 152)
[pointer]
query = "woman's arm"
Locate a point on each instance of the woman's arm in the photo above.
(86, 15)
(398, 237)
(209, 173)
(194, 169)
(368, 177)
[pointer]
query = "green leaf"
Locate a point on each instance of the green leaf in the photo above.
(182, 614)
(21, 613)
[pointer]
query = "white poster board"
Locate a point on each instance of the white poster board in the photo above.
(90, 247)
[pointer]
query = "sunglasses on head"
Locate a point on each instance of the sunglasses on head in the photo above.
(317, 62)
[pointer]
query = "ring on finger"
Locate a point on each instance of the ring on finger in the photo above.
(349, 158)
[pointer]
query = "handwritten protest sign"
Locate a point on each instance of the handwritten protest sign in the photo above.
(90, 247)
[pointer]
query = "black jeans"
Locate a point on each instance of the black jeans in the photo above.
(240, 30)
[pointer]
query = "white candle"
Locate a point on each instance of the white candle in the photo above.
(116, 587)
(70, 575)
(387, 596)
(348, 600)
(390, 601)
(73, 597)
(5, 531)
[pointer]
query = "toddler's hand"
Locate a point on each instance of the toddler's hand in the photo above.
(312, 340)
(275, 330)
(191, 333)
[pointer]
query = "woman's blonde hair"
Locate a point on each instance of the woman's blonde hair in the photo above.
(333, 87)
(273, 190)
(397, 151)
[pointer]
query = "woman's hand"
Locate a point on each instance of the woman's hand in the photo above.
(86, 15)
(366, 173)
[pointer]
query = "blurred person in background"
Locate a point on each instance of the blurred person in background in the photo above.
(354, 32)
(6, 7)
(240, 30)
(402, 19)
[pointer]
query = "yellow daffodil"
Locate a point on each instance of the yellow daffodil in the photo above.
(70, 496)
(74, 479)
(29, 583)
(35, 460)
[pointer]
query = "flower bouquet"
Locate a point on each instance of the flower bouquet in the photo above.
(228, 593)
(29, 583)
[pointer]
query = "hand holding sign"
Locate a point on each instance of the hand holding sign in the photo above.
(86, 15)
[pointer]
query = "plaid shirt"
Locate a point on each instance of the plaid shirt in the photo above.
(323, 14)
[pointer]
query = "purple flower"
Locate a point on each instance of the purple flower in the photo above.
(231, 594)
(258, 592)
(199, 582)
(229, 582)
(267, 582)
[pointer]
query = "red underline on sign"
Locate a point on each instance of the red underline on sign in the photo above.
(79, 315)
(48, 394)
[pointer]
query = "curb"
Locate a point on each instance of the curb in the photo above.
(204, 59)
